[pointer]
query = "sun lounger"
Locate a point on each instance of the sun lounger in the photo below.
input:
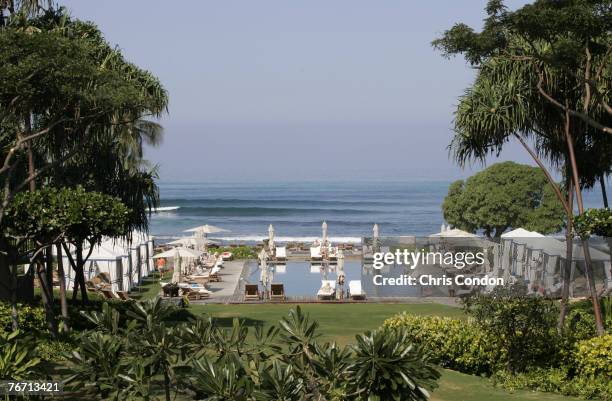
(109, 294)
(315, 253)
(280, 269)
(124, 295)
(355, 290)
(332, 254)
(251, 292)
(169, 289)
(227, 256)
(194, 294)
(327, 290)
(277, 292)
(281, 253)
(193, 286)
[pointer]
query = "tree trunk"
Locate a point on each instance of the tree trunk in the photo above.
(42, 279)
(588, 265)
(8, 262)
(566, 268)
(167, 385)
(80, 275)
(62, 292)
(602, 182)
(49, 271)
(28, 131)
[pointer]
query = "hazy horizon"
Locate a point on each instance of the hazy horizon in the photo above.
(274, 90)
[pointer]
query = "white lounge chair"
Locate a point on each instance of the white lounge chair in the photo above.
(194, 287)
(315, 253)
(327, 290)
(355, 290)
(281, 253)
(332, 253)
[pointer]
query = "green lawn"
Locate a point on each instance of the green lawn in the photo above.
(455, 386)
(341, 322)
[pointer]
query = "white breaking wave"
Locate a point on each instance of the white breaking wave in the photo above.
(259, 238)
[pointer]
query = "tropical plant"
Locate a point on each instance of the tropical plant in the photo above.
(17, 361)
(389, 367)
(220, 363)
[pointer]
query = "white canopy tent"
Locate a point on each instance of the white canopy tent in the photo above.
(125, 262)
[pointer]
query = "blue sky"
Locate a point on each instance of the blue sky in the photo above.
(284, 90)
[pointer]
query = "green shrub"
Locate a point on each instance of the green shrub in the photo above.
(523, 327)
(53, 350)
(558, 381)
(452, 343)
(239, 252)
(594, 357)
(31, 318)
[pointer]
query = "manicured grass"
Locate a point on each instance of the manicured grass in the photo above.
(339, 322)
(149, 288)
(455, 386)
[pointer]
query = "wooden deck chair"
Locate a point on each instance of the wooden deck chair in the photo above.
(251, 292)
(109, 294)
(124, 295)
(277, 292)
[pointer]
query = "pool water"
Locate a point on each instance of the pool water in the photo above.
(303, 279)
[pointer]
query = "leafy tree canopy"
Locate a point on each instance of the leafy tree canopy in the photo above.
(73, 214)
(594, 222)
(505, 195)
(564, 43)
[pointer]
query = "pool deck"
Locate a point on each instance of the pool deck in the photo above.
(230, 274)
(234, 274)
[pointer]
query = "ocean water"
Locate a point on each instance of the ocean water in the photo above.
(297, 209)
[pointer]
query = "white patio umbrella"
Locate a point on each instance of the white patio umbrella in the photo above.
(192, 241)
(179, 251)
(324, 234)
(271, 237)
(204, 230)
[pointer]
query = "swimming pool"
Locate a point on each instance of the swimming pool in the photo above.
(303, 279)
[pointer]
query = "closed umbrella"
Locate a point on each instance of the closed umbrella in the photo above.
(324, 229)
(177, 274)
(271, 237)
(375, 235)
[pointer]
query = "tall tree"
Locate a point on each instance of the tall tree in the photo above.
(521, 82)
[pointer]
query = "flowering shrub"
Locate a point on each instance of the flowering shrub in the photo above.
(594, 357)
(452, 343)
